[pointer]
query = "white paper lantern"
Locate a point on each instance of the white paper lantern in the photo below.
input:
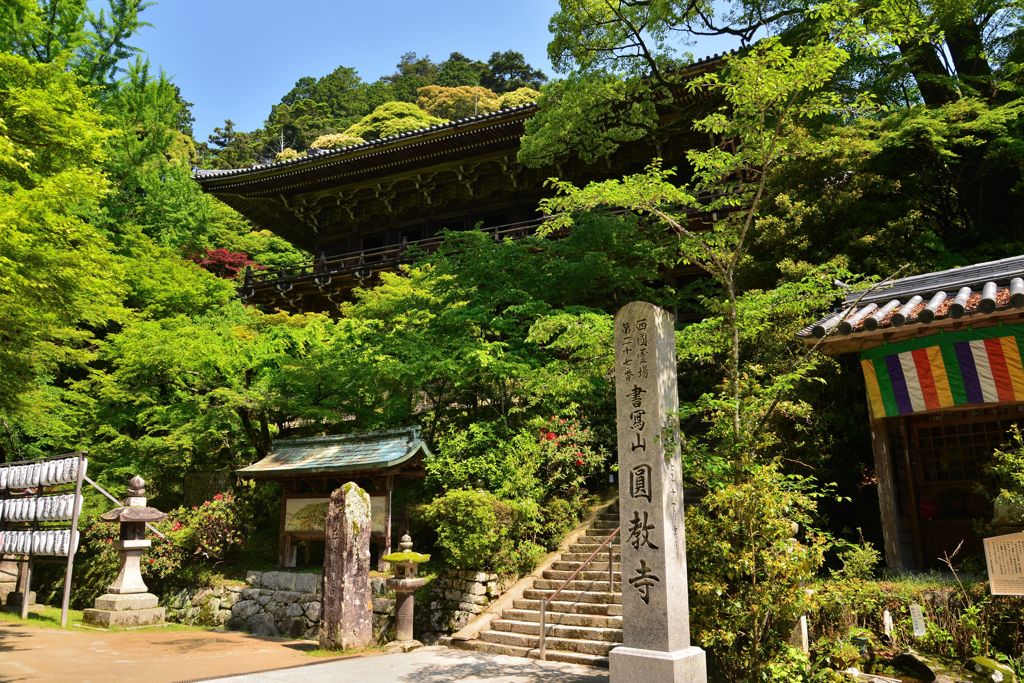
(3, 478)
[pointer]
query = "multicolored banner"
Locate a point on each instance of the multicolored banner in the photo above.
(945, 370)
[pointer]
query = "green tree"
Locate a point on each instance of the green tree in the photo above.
(459, 70)
(59, 281)
(412, 73)
(507, 71)
(41, 30)
(769, 97)
(229, 148)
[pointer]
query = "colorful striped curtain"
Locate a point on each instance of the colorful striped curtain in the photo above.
(945, 370)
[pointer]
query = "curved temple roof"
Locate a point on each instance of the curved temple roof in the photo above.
(344, 453)
(319, 154)
(445, 130)
(984, 293)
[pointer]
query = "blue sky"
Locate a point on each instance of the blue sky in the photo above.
(235, 58)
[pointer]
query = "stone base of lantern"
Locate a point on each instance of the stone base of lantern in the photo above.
(680, 666)
(124, 611)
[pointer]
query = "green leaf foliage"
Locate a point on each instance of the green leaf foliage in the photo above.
(393, 118)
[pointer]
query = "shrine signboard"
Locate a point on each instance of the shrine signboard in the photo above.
(1004, 556)
(655, 605)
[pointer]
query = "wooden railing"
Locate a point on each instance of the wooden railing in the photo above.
(544, 601)
(366, 260)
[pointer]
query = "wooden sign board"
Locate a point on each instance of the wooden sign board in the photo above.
(1005, 558)
(310, 514)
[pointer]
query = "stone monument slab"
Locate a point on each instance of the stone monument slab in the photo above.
(347, 615)
(655, 603)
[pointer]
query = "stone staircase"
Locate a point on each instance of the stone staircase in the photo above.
(584, 622)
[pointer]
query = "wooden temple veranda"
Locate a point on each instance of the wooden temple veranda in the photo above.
(310, 469)
(941, 355)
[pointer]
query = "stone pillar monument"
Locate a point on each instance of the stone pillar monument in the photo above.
(655, 604)
(347, 616)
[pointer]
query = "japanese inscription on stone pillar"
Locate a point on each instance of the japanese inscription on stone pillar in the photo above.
(654, 590)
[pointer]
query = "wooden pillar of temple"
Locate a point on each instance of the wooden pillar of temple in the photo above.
(887, 499)
(388, 491)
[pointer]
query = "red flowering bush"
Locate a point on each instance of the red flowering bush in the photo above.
(225, 263)
(195, 541)
(209, 533)
(568, 457)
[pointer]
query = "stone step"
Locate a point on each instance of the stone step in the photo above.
(573, 563)
(564, 618)
(566, 607)
(529, 628)
(587, 647)
(602, 597)
(578, 585)
(595, 541)
(600, 531)
(573, 554)
(513, 651)
(592, 543)
(593, 572)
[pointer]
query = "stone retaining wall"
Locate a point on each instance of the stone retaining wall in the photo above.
(456, 598)
(283, 604)
(288, 604)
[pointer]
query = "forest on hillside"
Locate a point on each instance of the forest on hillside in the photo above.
(341, 109)
(848, 142)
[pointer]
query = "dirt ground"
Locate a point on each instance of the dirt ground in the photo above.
(30, 653)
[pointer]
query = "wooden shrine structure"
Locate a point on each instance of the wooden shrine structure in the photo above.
(941, 355)
(310, 469)
(368, 207)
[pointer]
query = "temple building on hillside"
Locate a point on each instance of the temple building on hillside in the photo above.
(363, 209)
(388, 465)
(941, 355)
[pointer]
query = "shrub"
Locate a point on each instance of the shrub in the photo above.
(518, 98)
(569, 457)
(1007, 468)
(287, 154)
(859, 560)
(749, 570)
(487, 456)
(457, 102)
(392, 118)
(477, 530)
(197, 541)
(336, 141)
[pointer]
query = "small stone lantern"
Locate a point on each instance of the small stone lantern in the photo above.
(128, 601)
(404, 583)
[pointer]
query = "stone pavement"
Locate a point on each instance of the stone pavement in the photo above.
(430, 665)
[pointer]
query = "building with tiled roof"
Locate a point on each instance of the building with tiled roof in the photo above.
(360, 209)
(941, 355)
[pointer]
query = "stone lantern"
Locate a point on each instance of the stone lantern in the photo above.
(128, 601)
(404, 583)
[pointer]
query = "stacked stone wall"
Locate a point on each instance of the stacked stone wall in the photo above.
(455, 599)
(285, 604)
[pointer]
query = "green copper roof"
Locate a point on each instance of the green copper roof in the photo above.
(347, 453)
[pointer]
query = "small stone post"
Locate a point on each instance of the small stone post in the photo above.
(655, 604)
(347, 614)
